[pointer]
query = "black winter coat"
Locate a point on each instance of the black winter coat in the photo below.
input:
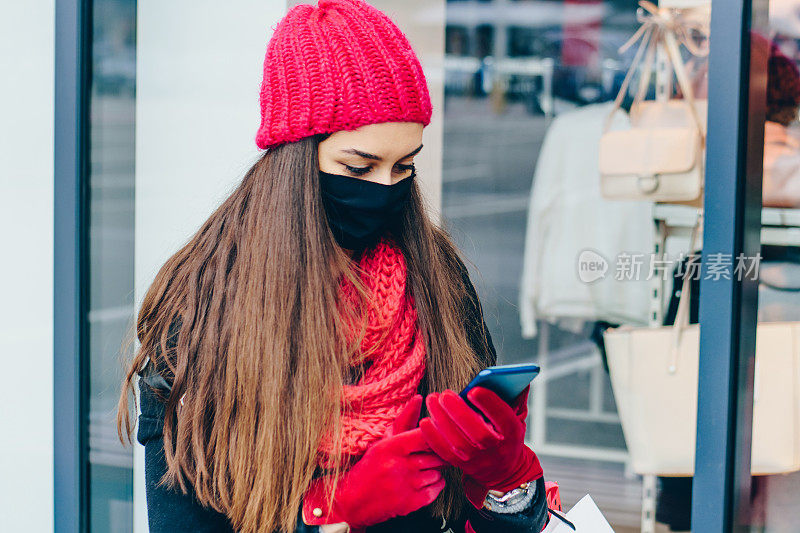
(169, 510)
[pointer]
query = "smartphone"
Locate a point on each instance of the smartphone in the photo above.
(507, 381)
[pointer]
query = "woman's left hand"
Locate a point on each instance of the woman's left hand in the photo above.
(491, 454)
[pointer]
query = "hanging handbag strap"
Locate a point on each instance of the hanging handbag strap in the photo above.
(682, 314)
(659, 26)
(673, 51)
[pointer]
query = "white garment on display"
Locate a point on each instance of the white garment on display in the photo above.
(567, 215)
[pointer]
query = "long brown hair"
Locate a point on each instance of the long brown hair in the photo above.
(259, 354)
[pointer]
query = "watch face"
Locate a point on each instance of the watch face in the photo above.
(512, 501)
(508, 495)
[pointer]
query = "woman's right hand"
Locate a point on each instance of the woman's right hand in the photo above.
(397, 475)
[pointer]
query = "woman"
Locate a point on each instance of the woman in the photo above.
(287, 348)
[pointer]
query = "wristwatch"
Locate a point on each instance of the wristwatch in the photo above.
(512, 501)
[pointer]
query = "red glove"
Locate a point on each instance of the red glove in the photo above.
(397, 475)
(492, 454)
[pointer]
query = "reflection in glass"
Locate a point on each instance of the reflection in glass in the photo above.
(110, 238)
(775, 497)
(781, 183)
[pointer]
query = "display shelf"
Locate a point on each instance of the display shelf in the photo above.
(675, 215)
(556, 364)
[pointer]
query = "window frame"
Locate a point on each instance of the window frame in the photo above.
(729, 307)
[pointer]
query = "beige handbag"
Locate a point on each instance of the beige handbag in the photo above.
(661, 157)
(654, 376)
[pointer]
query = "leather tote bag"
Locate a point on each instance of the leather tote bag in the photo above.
(661, 156)
(654, 376)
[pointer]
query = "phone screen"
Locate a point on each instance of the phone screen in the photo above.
(507, 381)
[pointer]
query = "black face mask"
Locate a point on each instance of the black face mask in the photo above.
(360, 211)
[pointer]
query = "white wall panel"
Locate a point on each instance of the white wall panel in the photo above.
(26, 264)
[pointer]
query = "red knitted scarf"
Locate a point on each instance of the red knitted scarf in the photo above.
(396, 363)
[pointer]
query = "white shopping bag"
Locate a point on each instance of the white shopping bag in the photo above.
(585, 516)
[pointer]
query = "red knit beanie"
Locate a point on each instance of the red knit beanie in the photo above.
(338, 66)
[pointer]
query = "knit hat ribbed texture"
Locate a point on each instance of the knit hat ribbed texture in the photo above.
(338, 66)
